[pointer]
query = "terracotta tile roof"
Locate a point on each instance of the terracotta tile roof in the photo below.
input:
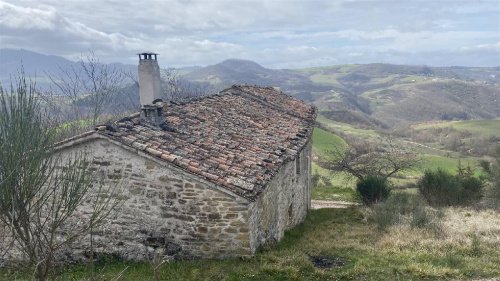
(237, 138)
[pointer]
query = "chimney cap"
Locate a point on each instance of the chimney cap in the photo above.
(148, 53)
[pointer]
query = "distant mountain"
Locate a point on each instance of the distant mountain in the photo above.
(380, 95)
(36, 65)
(237, 71)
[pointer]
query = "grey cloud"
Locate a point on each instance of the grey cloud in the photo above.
(275, 33)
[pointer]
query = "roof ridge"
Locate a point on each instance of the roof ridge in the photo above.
(269, 104)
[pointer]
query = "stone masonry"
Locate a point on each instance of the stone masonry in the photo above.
(163, 206)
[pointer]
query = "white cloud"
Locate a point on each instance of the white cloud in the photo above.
(47, 26)
(17, 17)
(276, 33)
(482, 47)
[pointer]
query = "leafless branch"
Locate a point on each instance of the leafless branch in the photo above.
(383, 158)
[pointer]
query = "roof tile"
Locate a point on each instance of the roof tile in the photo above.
(237, 139)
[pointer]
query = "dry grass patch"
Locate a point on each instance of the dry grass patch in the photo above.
(398, 253)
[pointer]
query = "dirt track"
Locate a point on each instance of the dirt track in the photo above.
(323, 204)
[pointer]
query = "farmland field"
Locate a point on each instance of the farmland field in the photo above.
(482, 128)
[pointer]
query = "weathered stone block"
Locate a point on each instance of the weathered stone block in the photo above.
(231, 216)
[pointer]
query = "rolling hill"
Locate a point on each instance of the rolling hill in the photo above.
(236, 71)
(364, 96)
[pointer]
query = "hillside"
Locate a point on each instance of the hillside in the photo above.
(374, 95)
(236, 71)
(392, 94)
(364, 96)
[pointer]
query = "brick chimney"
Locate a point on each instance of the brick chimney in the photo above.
(149, 88)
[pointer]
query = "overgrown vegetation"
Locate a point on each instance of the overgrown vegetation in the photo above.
(441, 188)
(406, 209)
(39, 189)
(471, 137)
(400, 252)
(492, 170)
(400, 238)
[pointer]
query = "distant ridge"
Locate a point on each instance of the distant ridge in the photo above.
(364, 95)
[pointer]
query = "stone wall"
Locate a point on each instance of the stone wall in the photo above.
(284, 202)
(164, 207)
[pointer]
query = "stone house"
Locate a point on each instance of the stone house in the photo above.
(213, 177)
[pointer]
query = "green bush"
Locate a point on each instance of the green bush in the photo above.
(441, 188)
(373, 189)
(492, 171)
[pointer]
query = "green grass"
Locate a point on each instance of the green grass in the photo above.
(324, 141)
(480, 128)
(344, 233)
(345, 128)
(433, 162)
(337, 187)
(333, 186)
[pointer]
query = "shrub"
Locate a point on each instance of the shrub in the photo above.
(373, 189)
(494, 193)
(441, 188)
(493, 173)
(405, 208)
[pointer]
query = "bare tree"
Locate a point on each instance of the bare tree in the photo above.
(90, 87)
(39, 189)
(383, 158)
(177, 89)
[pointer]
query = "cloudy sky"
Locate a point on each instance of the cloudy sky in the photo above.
(275, 33)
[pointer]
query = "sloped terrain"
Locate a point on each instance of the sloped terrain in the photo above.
(375, 95)
(380, 95)
(436, 100)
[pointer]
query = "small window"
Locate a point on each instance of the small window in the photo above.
(297, 164)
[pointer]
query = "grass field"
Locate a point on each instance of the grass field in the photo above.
(331, 186)
(345, 128)
(338, 188)
(335, 186)
(344, 235)
(324, 141)
(433, 162)
(480, 128)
